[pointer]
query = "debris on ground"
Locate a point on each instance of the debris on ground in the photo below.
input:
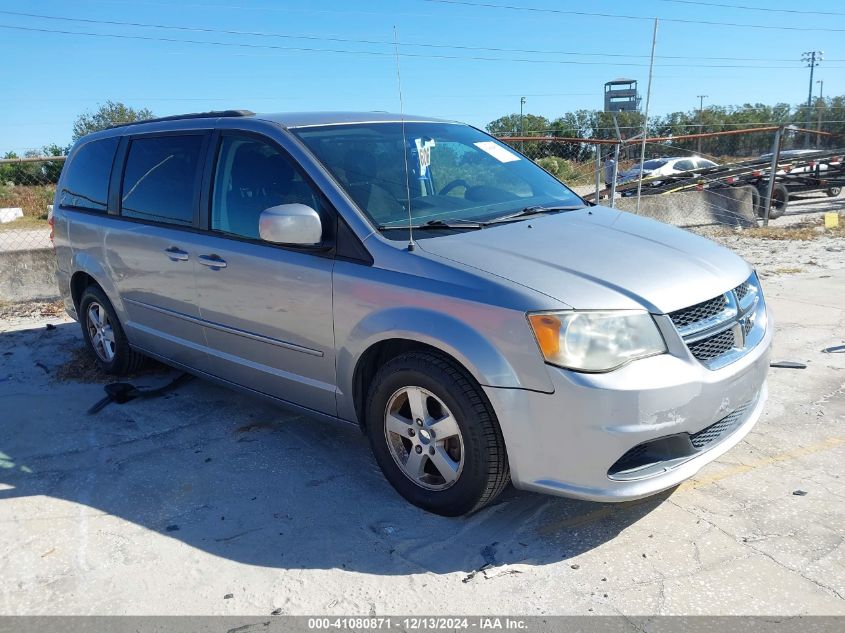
(31, 309)
(787, 364)
(80, 367)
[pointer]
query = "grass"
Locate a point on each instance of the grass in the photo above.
(26, 222)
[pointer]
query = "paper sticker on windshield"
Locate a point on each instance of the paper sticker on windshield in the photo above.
(497, 151)
(424, 153)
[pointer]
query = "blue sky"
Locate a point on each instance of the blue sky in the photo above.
(49, 78)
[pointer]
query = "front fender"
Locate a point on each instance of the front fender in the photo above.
(478, 355)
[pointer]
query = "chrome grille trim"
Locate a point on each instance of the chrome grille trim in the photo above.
(722, 329)
(713, 346)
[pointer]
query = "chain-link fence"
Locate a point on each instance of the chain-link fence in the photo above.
(689, 189)
(27, 188)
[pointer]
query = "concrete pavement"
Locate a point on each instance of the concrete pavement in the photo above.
(169, 505)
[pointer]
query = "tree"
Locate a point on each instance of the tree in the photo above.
(108, 114)
(51, 169)
(509, 125)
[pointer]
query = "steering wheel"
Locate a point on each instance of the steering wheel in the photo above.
(460, 182)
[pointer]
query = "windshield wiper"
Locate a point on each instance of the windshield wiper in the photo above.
(437, 224)
(534, 210)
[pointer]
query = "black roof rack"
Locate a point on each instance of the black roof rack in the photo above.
(214, 114)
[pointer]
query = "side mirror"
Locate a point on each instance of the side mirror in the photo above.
(296, 224)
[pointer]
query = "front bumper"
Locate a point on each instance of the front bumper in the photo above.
(565, 443)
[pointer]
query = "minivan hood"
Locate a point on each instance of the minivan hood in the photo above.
(599, 258)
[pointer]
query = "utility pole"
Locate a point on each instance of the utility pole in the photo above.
(812, 59)
(645, 116)
(521, 125)
(701, 99)
(821, 110)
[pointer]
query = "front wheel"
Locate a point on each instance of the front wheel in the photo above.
(833, 192)
(434, 434)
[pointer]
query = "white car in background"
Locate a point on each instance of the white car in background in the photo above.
(665, 167)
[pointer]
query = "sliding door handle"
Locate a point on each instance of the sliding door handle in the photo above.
(176, 254)
(212, 261)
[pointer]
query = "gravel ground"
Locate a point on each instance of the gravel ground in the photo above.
(784, 256)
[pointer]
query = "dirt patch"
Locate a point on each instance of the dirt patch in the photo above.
(80, 367)
(802, 231)
(31, 309)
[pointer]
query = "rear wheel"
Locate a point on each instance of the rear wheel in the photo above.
(834, 191)
(104, 336)
(434, 434)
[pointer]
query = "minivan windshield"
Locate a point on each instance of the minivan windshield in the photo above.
(455, 173)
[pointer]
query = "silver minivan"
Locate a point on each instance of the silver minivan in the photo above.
(476, 318)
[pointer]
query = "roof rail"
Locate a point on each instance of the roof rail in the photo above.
(214, 114)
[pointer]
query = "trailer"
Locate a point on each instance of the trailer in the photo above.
(796, 172)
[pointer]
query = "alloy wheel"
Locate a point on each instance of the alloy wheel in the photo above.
(424, 438)
(100, 332)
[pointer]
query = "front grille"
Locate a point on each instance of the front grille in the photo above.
(715, 431)
(699, 312)
(722, 329)
(714, 346)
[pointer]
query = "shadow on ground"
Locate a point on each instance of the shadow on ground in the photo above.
(246, 481)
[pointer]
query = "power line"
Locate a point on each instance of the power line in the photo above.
(747, 8)
(173, 40)
(328, 38)
(619, 16)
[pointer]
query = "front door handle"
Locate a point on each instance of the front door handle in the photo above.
(212, 261)
(176, 254)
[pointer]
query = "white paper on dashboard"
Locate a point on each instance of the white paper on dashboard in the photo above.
(497, 151)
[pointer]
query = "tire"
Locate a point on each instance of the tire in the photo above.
(834, 191)
(780, 200)
(755, 199)
(104, 336)
(471, 449)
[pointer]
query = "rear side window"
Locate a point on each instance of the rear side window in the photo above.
(86, 182)
(160, 179)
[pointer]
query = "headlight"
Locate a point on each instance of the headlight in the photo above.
(596, 341)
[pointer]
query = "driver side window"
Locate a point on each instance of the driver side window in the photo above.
(252, 176)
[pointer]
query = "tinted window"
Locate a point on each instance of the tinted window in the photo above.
(160, 179)
(683, 165)
(252, 176)
(86, 181)
(704, 163)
